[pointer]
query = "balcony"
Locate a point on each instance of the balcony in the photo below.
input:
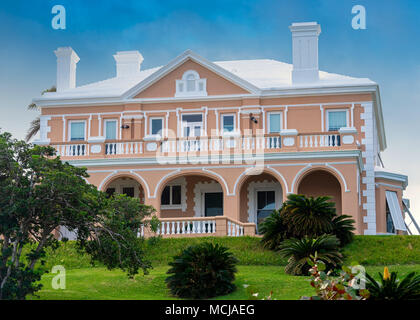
(286, 141)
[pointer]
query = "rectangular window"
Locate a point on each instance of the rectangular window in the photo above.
(110, 129)
(171, 196)
(337, 120)
(77, 131)
(156, 125)
(228, 122)
(274, 122)
(192, 125)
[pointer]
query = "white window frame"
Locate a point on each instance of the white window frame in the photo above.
(202, 133)
(327, 124)
(150, 125)
(116, 127)
(222, 120)
(183, 205)
(268, 120)
(181, 85)
(69, 130)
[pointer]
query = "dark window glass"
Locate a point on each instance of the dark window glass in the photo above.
(389, 222)
(213, 204)
(129, 191)
(110, 191)
(165, 199)
(176, 194)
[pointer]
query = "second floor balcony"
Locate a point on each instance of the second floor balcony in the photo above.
(204, 146)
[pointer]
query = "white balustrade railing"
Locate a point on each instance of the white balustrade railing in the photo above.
(320, 140)
(185, 227)
(234, 229)
(196, 226)
(71, 150)
(129, 147)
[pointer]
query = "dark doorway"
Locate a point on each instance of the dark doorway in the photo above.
(213, 204)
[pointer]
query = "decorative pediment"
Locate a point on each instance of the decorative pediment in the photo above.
(190, 75)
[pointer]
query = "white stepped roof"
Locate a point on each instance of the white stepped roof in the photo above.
(264, 74)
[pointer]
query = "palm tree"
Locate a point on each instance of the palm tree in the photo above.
(308, 216)
(298, 251)
(36, 123)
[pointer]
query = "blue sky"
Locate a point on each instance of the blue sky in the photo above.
(387, 51)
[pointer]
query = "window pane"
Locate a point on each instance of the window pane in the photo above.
(176, 194)
(337, 120)
(110, 191)
(129, 191)
(228, 123)
(156, 126)
(77, 131)
(165, 199)
(111, 130)
(192, 118)
(275, 123)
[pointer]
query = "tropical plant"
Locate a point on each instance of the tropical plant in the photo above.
(391, 288)
(334, 288)
(342, 228)
(308, 216)
(202, 271)
(273, 229)
(36, 123)
(298, 251)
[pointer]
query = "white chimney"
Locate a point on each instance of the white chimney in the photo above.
(128, 63)
(305, 51)
(66, 68)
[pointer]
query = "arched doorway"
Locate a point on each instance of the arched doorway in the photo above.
(191, 195)
(259, 196)
(125, 185)
(318, 183)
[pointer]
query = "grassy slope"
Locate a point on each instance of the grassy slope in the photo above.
(258, 267)
(367, 250)
(99, 283)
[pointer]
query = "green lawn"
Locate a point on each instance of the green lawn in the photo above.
(102, 284)
(260, 268)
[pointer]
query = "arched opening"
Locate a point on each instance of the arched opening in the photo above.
(191, 195)
(259, 195)
(125, 185)
(318, 183)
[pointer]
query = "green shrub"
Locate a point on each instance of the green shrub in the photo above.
(202, 271)
(299, 251)
(273, 230)
(390, 288)
(308, 216)
(343, 227)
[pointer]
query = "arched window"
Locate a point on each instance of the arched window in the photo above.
(191, 85)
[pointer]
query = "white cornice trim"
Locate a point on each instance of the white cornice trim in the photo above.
(234, 159)
(393, 177)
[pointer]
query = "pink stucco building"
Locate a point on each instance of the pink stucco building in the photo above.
(214, 146)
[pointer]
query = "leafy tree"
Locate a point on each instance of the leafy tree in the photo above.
(299, 252)
(36, 123)
(202, 271)
(38, 194)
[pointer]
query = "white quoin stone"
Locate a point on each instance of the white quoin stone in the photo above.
(128, 63)
(67, 60)
(305, 51)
